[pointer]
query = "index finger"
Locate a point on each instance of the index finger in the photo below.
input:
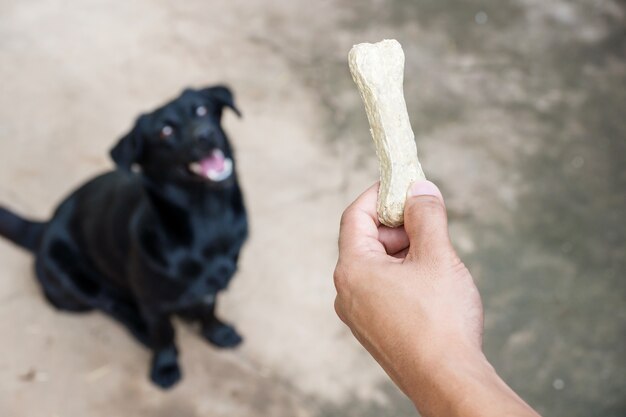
(358, 233)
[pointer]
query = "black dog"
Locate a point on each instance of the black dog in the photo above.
(158, 236)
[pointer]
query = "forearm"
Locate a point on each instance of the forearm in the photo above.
(466, 387)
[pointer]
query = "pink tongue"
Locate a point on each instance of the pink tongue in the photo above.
(214, 163)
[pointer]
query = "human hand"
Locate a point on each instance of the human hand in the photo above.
(412, 303)
(403, 291)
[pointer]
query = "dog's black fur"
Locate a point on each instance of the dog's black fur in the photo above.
(150, 239)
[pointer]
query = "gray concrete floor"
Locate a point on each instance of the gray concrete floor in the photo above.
(518, 107)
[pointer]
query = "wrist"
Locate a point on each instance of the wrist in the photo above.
(464, 384)
(445, 376)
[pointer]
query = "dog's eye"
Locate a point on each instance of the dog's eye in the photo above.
(201, 111)
(166, 131)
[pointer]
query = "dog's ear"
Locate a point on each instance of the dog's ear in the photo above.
(129, 149)
(223, 97)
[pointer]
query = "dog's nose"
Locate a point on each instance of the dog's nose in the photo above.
(204, 134)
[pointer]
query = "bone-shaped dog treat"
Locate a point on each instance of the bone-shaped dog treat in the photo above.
(378, 71)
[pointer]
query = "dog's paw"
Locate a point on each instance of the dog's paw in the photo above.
(222, 335)
(165, 371)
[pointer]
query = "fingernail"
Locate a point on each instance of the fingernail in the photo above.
(423, 187)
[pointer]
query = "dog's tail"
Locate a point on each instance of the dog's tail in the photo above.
(22, 232)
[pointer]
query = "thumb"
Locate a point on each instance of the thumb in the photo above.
(426, 222)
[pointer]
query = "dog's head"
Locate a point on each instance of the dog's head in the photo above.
(182, 141)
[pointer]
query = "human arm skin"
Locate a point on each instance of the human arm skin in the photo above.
(412, 303)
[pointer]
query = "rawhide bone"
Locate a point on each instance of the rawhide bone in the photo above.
(378, 71)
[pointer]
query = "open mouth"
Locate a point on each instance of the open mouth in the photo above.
(215, 167)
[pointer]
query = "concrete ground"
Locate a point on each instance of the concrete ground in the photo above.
(518, 108)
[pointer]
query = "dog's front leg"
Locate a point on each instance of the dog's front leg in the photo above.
(214, 330)
(217, 332)
(165, 371)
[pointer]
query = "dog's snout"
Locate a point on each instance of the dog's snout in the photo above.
(205, 133)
